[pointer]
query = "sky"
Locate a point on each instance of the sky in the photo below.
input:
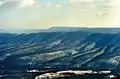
(37, 14)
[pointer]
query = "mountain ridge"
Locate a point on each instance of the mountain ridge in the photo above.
(60, 29)
(79, 49)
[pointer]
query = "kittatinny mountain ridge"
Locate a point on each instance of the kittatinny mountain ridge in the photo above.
(75, 49)
(61, 29)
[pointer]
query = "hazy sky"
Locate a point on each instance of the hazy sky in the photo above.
(47, 13)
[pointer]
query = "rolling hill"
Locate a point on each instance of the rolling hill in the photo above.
(77, 49)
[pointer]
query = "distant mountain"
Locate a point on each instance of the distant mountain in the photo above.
(76, 49)
(18, 31)
(94, 30)
(61, 29)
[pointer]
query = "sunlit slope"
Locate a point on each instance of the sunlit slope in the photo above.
(79, 49)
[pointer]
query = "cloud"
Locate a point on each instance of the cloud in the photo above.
(2, 2)
(25, 3)
(48, 5)
(19, 3)
(58, 6)
(8, 4)
(77, 1)
(51, 5)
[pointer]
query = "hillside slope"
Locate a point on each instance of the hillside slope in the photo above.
(79, 49)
